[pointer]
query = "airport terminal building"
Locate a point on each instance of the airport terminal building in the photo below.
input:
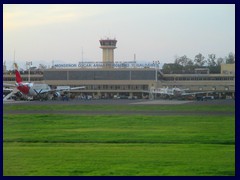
(108, 78)
(107, 82)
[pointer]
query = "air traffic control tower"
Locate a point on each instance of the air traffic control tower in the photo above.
(108, 45)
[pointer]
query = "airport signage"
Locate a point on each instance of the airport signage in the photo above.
(65, 65)
(101, 65)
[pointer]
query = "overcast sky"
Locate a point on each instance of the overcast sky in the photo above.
(43, 33)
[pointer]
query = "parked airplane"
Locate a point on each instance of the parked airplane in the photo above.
(36, 90)
(174, 92)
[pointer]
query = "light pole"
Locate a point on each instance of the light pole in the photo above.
(29, 63)
(156, 63)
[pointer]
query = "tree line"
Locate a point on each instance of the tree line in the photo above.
(186, 65)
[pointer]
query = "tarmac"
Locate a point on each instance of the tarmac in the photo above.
(123, 102)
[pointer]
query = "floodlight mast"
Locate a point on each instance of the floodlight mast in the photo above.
(29, 63)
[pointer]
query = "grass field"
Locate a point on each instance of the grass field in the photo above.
(72, 145)
(226, 108)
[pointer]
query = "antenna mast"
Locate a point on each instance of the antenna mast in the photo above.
(13, 59)
(82, 54)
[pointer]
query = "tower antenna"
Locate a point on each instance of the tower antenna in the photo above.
(82, 54)
(13, 66)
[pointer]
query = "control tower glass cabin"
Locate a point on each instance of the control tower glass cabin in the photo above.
(108, 46)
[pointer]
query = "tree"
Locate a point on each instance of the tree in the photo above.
(41, 66)
(211, 60)
(230, 59)
(171, 68)
(199, 60)
(220, 61)
(183, 60)
(190, 65)
(176, 61)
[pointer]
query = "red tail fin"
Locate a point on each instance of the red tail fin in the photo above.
(18, 76)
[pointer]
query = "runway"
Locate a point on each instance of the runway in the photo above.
(123, 102)
(14, 102)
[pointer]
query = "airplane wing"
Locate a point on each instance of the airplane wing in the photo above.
(163, 93)
(7, 89)
(75, 88)
(194, 93)
(159, 92)
(42, 91)
(67, 88)
(8, 85)
(62, 89)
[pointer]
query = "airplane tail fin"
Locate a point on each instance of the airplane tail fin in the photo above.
(16, 66)
(18, 76)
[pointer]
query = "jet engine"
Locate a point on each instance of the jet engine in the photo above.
(56, 94)
(19, 94)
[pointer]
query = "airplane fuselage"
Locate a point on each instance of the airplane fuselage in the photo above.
(30, 89)
(26, 89)
(173, 92)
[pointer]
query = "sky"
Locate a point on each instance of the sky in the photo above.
(160, 32)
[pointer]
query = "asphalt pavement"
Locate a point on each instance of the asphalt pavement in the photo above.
(121, 102)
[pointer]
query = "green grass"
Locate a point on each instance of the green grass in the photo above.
(119, 129)
(54, 144)
(117, 159)
(55, 107)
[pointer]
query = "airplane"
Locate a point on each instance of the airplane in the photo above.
(174, 92)
(35, 90)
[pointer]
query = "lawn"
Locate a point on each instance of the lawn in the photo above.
(53, 144)
(84, 159)
(56, 107)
